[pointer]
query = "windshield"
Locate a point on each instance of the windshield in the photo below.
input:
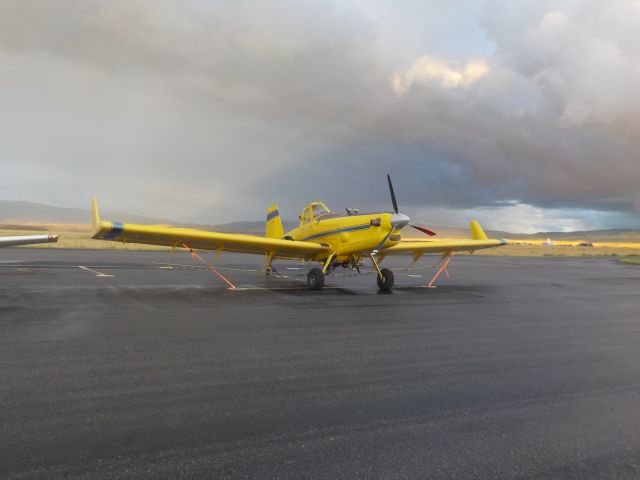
(318, 209)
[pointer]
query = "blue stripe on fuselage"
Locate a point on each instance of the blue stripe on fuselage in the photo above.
(340, 230)
(116, 229)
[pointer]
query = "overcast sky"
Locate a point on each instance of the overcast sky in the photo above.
(523, 114)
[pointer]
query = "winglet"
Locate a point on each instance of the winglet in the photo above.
(96, 214)
(476, 231)
(95, 219)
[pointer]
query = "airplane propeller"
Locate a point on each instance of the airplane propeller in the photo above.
(404, 221)
(393, 195)
(426, 231)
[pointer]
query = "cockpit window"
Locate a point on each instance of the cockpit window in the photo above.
(318, 210)
(313, 211)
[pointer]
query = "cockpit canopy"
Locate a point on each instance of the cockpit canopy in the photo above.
(313, 211)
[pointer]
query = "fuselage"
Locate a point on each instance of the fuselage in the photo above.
(346, 235)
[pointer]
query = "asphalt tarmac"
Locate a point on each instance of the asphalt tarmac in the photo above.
(144, 365)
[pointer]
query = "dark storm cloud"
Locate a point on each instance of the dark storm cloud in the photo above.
(209, 111)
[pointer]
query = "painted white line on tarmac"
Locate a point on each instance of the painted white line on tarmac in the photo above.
(98, 274)
(207, 267)
(273, 289)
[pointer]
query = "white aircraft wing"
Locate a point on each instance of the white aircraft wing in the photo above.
(26, 240)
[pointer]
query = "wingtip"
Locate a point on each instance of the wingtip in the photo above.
(95, 212)
(477, 233)
(95, 217)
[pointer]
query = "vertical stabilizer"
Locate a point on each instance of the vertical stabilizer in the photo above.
(273, 227)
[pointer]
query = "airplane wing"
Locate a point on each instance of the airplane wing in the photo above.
(202, 239)
(478, 241)
(27, 240)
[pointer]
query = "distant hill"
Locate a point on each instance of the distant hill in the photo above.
(593, 235)
(15, 213)
(255, 228)
(586, 234)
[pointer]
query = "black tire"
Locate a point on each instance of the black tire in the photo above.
(386, 282)
(315, 279)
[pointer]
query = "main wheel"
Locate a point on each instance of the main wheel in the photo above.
(386, 282)
(315, 279)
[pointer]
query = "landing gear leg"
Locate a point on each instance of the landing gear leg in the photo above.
(385, 276)
(327, 263)
(268, 269)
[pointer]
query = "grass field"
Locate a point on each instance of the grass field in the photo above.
(517, 247)
(76, 236)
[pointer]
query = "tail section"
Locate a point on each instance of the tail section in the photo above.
(273, 227)
(476, 231)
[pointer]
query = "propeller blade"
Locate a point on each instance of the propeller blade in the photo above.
(393, 195)
(424, 230)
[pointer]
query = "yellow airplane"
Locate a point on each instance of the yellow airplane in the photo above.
(323, 236)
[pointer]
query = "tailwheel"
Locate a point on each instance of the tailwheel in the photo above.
(315, 279)
(385, 280)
